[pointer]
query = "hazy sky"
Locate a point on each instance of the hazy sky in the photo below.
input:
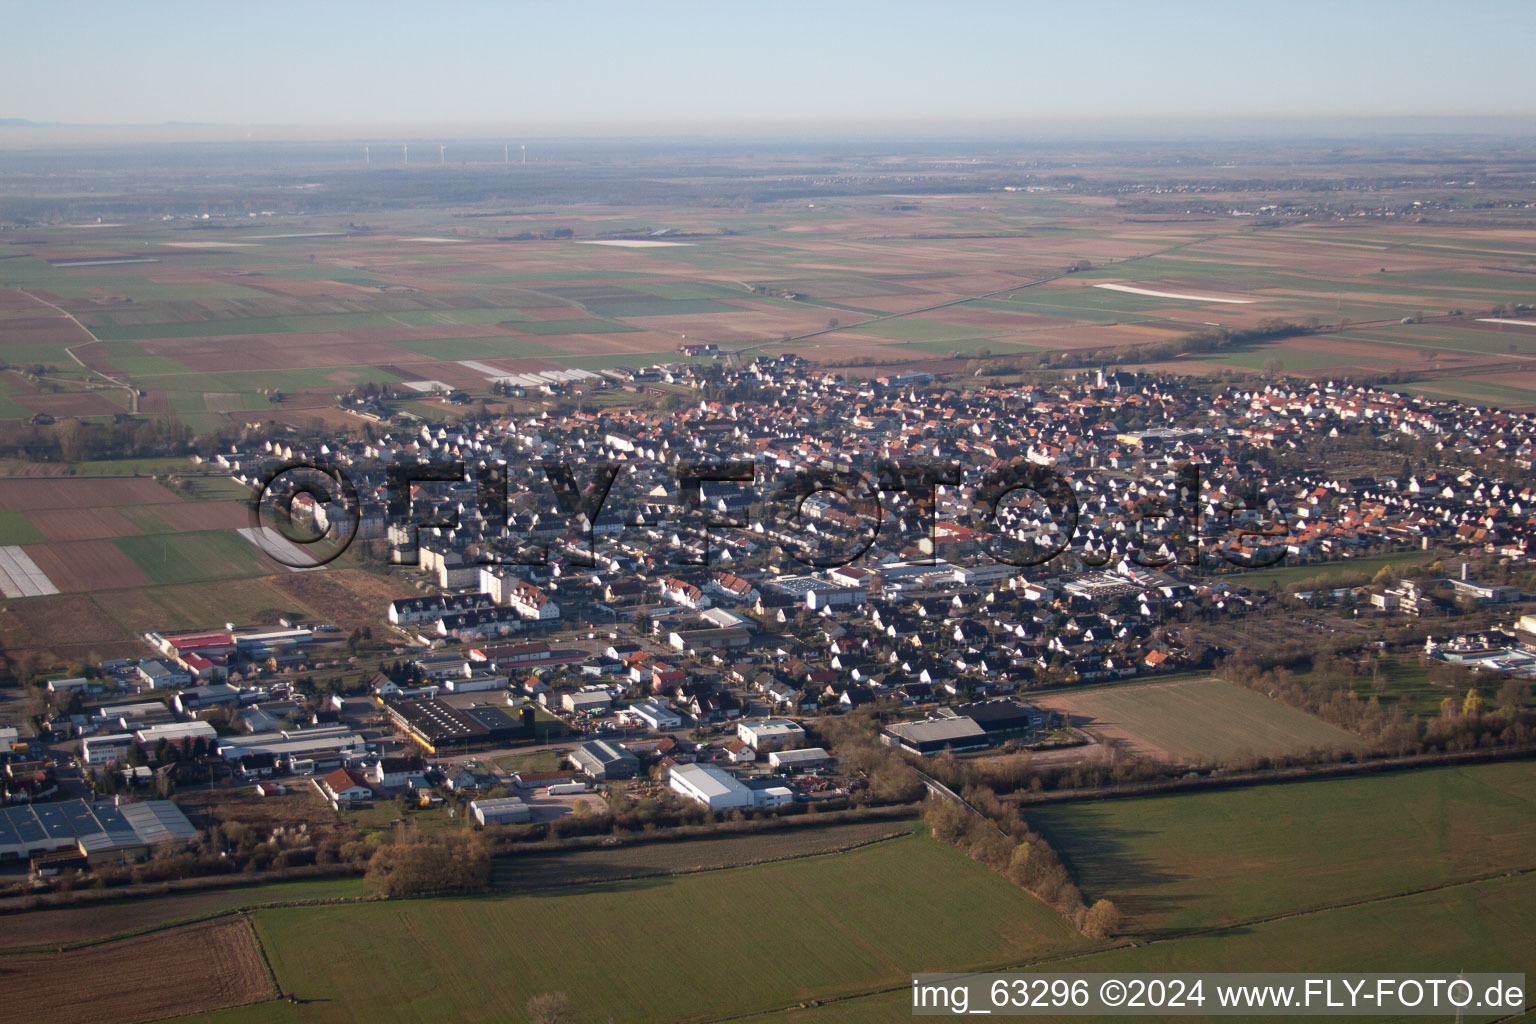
(337, 62)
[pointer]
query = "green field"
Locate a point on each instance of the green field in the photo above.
(1472, 392)
(188, 605)
(1201, 859)
(194, 557)
(16, 528)
(249, 382)
(1286, 572)
(1491, 924)
(1384, 873)
(135, 467)
(1198, 721)
(711, 944)
(588, 326)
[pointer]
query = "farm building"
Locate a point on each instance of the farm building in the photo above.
(936, 736)
(713, 787)
(505, 811)
(765, 734)
(600, 759)
(802, 759)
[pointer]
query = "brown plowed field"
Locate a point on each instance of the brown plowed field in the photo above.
(65, 627)
(349, 598)
(189, 517)
(87, 565)
(83, 523)
(31, 495)
(166, 974)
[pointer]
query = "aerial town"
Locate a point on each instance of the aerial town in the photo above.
(558, 668)
(655, 514)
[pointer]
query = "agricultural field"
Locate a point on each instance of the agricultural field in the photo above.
(1287, 573)
(213, 328)
(1491, 923)
(95, 555)
(860, 919)
(1196, 721)
(68, 926)
(216, 964)
(1393, 873)
(541, 870)
(1198, 860)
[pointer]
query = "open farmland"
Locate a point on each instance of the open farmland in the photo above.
(1196, 721)
(129, 554)
(45, 495)
(1491, 923)
(210, 329)
(1195, 860)
(860, 919)
(165, 974)
(89, 923)
(650, 859)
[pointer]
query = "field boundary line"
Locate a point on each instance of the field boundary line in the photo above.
(1155, 938)
(261, 953)
(830, 851)
(180, 922)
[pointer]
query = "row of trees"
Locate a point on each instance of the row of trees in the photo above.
(79, 441)
(996, 835)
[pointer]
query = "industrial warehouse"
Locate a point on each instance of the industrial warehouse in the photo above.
(100, 832)
(436, 725)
